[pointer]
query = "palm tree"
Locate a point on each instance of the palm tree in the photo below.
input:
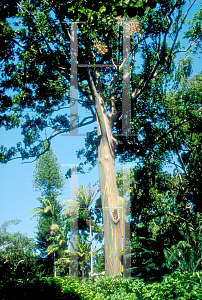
(84, 201)
(48, 209)
(84, 251)
(58, 236)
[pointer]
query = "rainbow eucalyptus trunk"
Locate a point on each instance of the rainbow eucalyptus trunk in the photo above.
(112, 208)
(112, 203)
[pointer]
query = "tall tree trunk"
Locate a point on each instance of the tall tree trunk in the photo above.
(112, 209)
(112, 203)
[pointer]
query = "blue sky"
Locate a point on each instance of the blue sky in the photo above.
(17, 197)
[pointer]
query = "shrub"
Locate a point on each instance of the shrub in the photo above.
(178, 286)
(98, 288)
(37, 289)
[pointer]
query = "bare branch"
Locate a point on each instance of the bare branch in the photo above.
(19, 262)
(185, 50)
(19, 44)
(183, 20)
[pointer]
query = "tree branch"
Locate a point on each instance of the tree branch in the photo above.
(113, 111)
(47, 44)
(183, 20)
(82, 124)
(145, 81)
(19, 44)
(179, 156)
(178, 174)
(153, 73)
(185, 50)
(171, 214)
(170, 130)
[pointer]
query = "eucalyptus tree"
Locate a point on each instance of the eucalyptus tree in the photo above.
(36, 68)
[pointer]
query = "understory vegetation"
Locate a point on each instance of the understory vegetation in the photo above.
(181, 286)
(26, 275)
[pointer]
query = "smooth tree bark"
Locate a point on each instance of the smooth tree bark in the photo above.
(112, 203)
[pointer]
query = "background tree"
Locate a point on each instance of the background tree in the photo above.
(40, 79)
(49, 180)
(85, 200)
(100, 261)
(84, 255)
(166, 208)
(88, 219)
(18, 257)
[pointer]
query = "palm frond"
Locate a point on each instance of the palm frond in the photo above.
(40, 212)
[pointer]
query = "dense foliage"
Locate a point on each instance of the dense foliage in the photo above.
(36, 289)
(18, 255)
(37, 34)
(166, 206)
(187, 286)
